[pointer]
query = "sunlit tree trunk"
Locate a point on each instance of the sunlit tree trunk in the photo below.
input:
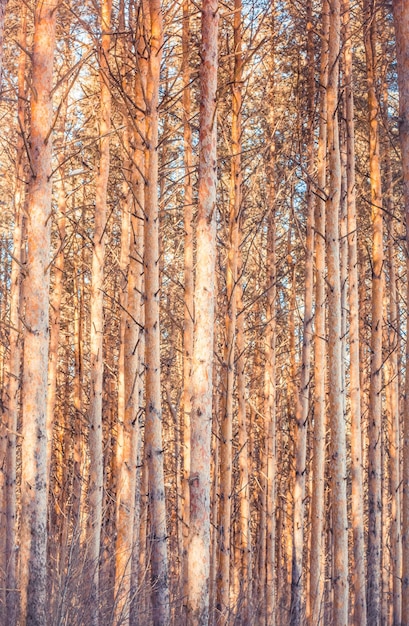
(153, 423)
(95, 487)
(15, 344)
(57, 291)
(375, 390)
(290, 402)
(270, 405)
(357, 512)
(78, 481)
(401, 19)
(201, 419)
(33, 534)
(268, 535)
(317, 573)
(302, 405)
(336, 403)
(124, 468)
(188, 294)
(226, 443)
(245, 565)
(392, 385)
(128, 375)
(3, 5)
(214, 477)
(135, 304)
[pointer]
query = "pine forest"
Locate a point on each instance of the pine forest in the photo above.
(204, 312)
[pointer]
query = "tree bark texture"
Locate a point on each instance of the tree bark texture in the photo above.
(33, 546)
(201, 419)
(358, 575)
(401, 20)
(153, 423)
(375, 388)
(95, 486)
(336, 402)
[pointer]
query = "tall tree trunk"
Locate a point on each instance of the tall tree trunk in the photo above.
(245, 566)
(188, 294)
(3, 5)
(336, 403)
(57, 291)
(270, 397)
(401, 20)
(375, 389)
(357, 512)
(153, 424)
(393, 394)
(226, 443)
(302, 405)
(125, 463)
(128, 497)
(33, 545)
(317, 573)
(15, 342)
(95, 488)
(270, 403)
(202, 365)
(78, 482)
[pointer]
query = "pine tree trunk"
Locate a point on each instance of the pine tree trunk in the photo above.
(202, 365)
(302, 405)
(357, 512)
(336, 403)
(375, 390)
(153, 424)
(188, 294)
(57, 291)
(95, 487)
(317, 573)
(226, 443)
(15, 344)
(401, 20)
(245, 565)
(270, 405)
(3, 5)
(393, 395)
(129, 381)
(33, 545)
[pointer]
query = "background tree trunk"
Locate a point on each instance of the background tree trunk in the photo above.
(358, 566)
(375, 390)
(401, 20)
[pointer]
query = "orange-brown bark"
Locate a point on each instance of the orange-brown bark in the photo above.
(3, 5)
(33, 546)
(226, 443)
(15, 344)
(302, 404)
(358, 566)
(189, 290)
(317, 562)
(375, 389)
(336, 392)
(127, 498)
(153, 423)
(95, 486)
(201, 419)
(401, 20)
